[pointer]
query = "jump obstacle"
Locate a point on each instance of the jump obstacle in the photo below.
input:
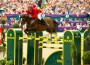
(35, 46)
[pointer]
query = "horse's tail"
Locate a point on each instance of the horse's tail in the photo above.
(55, 23)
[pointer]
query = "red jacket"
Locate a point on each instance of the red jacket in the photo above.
(28, 12)
(34, 12)
(23, 11)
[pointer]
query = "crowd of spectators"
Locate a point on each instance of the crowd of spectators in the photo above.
(15, 7)
(52, 7)
(68, 7)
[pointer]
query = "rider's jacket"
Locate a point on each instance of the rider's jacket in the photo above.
(23, 11)
(33, 13)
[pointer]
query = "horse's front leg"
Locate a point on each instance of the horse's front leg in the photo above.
(27, 32)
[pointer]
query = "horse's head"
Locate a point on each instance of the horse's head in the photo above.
(24, 18)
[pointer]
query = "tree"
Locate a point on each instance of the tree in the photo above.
(15, 25)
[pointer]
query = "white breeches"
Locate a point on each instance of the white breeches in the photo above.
(40, 16)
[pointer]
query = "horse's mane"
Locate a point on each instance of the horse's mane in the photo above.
(25, 16)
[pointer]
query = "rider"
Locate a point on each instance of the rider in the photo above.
(35, 12)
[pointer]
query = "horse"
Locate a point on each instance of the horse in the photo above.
(34, 25)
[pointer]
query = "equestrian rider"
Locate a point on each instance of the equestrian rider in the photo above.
(35, 12)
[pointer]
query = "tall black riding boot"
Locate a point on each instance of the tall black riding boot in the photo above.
(43, 22)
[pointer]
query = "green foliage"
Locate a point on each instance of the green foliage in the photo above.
(9, 62)
(73, 51)
(3, 37)
(4, 45)
(15, 25)
(88, 29)
(87, 40)
(88, 37)
(86, 57)
(3, 33)
(4, 62)
(3, 21)
(2, 48)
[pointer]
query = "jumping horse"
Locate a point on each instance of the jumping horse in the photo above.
(35, 25)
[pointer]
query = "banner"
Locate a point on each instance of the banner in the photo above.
(12, 17)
